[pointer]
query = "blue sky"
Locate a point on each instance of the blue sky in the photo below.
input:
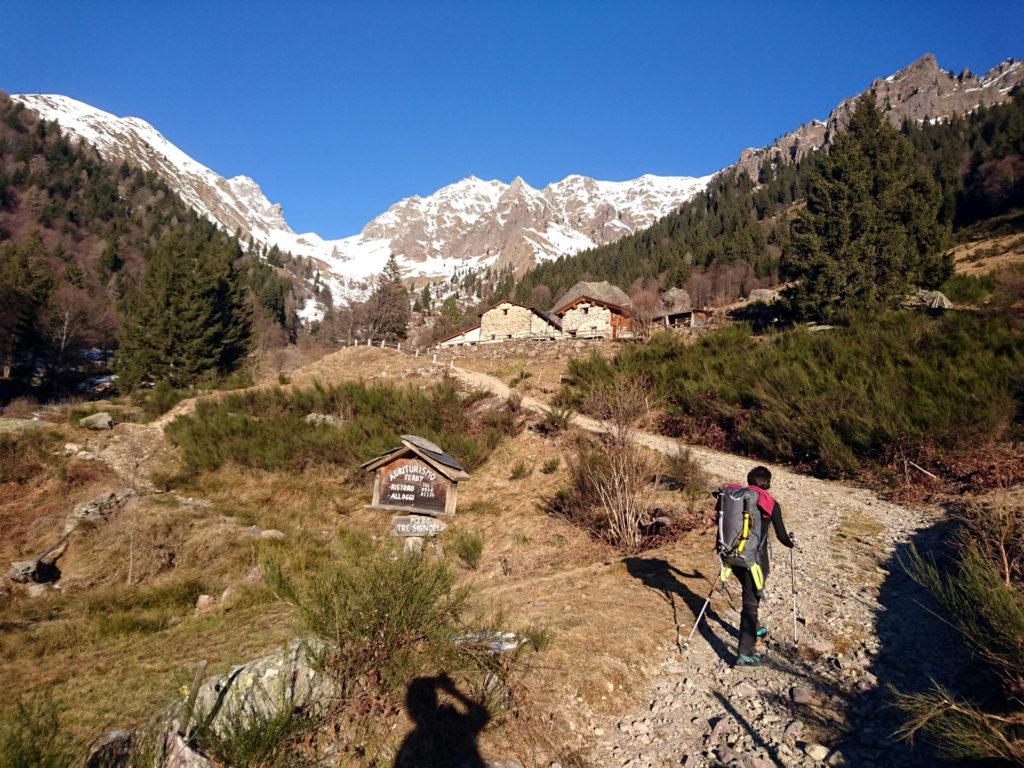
(340, 109)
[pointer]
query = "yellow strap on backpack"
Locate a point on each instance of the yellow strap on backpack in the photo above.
(725, 573)
(755, 571)
(745, 536)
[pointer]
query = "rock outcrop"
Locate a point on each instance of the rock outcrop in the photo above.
(919, 93)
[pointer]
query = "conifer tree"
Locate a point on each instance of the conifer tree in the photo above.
(188, 319)
(871, 229)
(388, 306)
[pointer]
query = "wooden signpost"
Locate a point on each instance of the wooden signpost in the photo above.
(419, 481)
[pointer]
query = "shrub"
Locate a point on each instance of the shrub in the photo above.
(25, 455)
(385, 618)
(161, 398)
(687, 471)
(557, 419)
(968, 289)
(551, 466)
(469, 546)
(262, 732)
(520, 470)
(30, 737)
(837, 401)
(266, 428)
(983, 595)
(519, 378)
(609, 491)
(20, 408)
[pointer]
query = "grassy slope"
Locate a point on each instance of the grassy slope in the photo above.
(117, 670)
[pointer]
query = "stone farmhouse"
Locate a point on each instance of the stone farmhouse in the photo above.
(588, 310)
(506, 321)
(595, 310)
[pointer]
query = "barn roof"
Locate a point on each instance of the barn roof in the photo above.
(603, 292)
(674, 302)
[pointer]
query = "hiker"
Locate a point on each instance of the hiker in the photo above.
(750, 567)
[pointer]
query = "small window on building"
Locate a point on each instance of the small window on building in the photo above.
(504, 311)
(493, 337)
(586, 310)
(508, 336)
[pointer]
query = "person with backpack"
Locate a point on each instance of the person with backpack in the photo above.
(745, 514)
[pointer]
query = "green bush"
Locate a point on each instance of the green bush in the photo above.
(982, 593)
(30, 737)
(520, 470)
(551, 466)
(837, 400)
(266, 428)
(263, 732)
(557, 419)
(969, 289)
(161, 398)
(469, 546)
(385, 618)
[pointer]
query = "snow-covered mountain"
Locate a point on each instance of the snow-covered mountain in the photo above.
(469, 223)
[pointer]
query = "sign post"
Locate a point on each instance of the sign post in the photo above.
(419, 482)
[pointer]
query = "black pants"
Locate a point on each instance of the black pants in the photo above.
(751, 599)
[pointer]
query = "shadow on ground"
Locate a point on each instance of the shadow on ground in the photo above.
(916, 646)
(444, 735)
(666, 580)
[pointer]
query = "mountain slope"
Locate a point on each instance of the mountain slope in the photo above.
(728, 239)
(921, 92)
(469, 223)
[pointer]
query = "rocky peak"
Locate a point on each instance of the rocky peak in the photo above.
(920, 92)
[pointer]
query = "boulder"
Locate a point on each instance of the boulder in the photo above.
(205, 604)
(324, 420)
(97, 510)
(23, 571)
(97, 421)
(290, 677)
(38, 571)
(816, 751)
(178, 754)
(113, 748)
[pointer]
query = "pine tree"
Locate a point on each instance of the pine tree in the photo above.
(388, 305)
(871, 229)
(189, 318)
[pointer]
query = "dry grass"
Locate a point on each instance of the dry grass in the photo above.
(546, 574)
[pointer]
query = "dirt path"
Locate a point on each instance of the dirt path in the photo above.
(862, 625)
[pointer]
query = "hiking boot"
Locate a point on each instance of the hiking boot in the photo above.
(761, 635)
(749, 661)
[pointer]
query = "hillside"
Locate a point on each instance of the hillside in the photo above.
(125, 609)
(732, 237)
(76, 236)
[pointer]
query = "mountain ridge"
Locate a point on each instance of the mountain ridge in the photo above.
(469, 223)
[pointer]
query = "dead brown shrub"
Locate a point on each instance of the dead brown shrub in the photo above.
(20, 408)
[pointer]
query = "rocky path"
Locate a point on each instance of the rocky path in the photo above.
(863, 625)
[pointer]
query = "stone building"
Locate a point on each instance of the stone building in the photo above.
(462, 338)
(595, 310)
(509, 321)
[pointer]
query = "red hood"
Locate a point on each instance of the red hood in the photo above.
(765, 502)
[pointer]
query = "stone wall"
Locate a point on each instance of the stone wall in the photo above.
(588, 320)
(511, 321)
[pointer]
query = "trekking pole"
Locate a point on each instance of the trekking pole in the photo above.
(707, 602)
(792, 581)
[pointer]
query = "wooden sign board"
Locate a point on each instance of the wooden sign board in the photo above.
(408, 483)
(422, 526)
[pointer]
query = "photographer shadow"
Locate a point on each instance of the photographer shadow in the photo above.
(444, 734)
